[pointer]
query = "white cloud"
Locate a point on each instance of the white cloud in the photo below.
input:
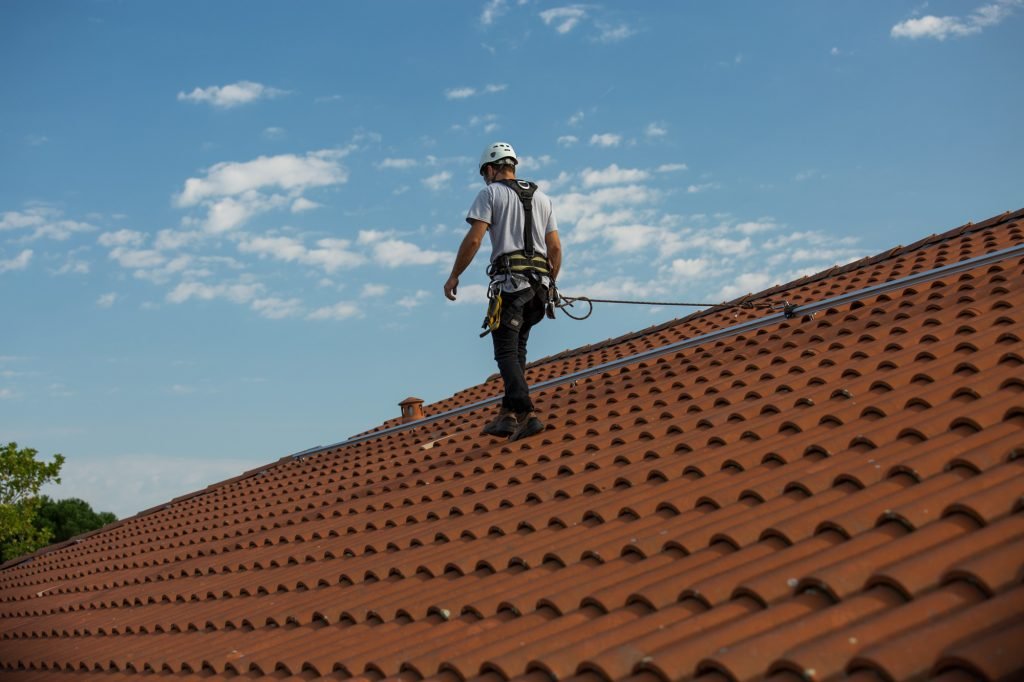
(688, 268)
(574, 207)
(410, 302)
(162, 273)
(277, 308)
(372, 236)
(565, 19)
(492, 10)
(373, 290)
(459, 93)
(7, 394)
(273, 133)
(614, 34)
(233, 192)
(656, 130)
(303, 204)
(61, 230)
(401, 164)
(748, 282)
(330, 254)
(471, 294)
(137, 258)
(288, 172)
(395, 253)
(13, 220)
(106, 300)
(808, 238)
(632, 238)
(620, 287)
(175, 239)
(534, 162)
(576, 118)
(672, 167)
(242, 292)
(72, 266)
(228, 213)
(437, 181)
(568, 140)
(151, 264)
(756, 226)
(552, 184)
(722, 245)
(466, 92)
(121, 238)
(703, 187)
(339, 311)
(19, 262)
(46, 221)
(612, 175)
(227, 96)
(831, 256)
(606, 140)
(835, 52)
(940, 28)
(486, 122)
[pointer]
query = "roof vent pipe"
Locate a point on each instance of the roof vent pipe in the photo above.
(412, 410)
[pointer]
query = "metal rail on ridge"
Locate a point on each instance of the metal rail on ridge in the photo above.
(807, 309)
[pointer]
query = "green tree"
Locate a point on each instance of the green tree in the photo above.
(21, 477)
(64, 519)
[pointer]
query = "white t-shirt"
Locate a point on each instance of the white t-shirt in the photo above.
(499, 206)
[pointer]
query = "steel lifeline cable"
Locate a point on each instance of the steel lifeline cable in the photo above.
(563, 302)
(557, 301)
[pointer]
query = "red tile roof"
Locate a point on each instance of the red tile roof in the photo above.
(826, 496)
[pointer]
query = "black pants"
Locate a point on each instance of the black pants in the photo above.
(520, 311)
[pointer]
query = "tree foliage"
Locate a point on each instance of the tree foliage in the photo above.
(64, 519)
(21, 477)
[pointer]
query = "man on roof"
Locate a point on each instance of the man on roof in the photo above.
(526, 256)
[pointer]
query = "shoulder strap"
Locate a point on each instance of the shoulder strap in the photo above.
(525, 190)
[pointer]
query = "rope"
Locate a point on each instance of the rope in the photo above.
(565, 302)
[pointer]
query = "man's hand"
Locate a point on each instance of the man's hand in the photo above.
(470, 245)
(451, 288)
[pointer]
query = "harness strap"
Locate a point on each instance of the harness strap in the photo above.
(525, 190)
(517, 263)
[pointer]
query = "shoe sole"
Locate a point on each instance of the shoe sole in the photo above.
(531, 428)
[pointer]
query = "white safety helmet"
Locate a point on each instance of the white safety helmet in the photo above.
(496, 152)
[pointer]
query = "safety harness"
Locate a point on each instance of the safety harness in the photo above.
(527, 260)
(526, 263)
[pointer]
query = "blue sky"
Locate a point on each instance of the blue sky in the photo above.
(224, 227)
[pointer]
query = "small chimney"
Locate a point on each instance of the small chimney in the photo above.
(412, 410)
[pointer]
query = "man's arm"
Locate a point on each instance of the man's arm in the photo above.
(554, 245)
(467, 251)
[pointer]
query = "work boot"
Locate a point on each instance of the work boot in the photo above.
(503, 425)
(529, 425)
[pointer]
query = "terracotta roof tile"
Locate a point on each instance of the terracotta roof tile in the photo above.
(911, 652)
(828, 495)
